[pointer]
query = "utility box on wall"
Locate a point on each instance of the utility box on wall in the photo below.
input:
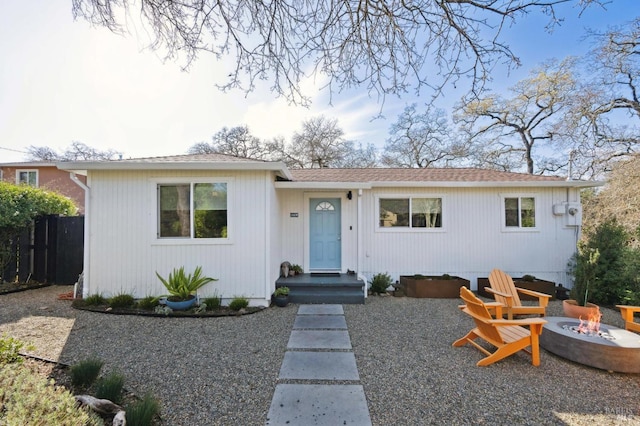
(574, 214)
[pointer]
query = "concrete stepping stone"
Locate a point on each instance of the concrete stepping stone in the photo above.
(319, 339)
(323, 405)
(319, 366)
(320, 321)
(320, 310)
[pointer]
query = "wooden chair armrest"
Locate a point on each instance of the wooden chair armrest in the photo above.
(627, 312)
(628, 308)
(499, 293)
(533, 293)
(521, 322)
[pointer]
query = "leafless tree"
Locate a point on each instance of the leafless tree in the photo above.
(387, 46)
(237, 141)
(606, 116)
(512, 130)
(77, 151)
(320, 143)
(422, 139)
(619, 199)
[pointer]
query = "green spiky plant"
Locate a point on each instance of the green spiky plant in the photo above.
(182, 286)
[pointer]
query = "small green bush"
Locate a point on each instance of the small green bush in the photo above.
(110, 387)
(238, 303)
(85, 373)
(446, 277)
(95, 300)
(380, 283)
(213, 302)
(148, 303)
(529, 278)
(29, 399)
(141, 413)
(10, 350)
(121, 300)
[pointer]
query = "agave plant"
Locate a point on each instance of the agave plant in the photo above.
(182, 286)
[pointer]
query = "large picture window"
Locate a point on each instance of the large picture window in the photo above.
(192, 210)
(520, 212)
(410, 212)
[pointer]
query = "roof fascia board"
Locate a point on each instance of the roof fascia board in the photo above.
(489, 184)
(370, 185)
(322, 185)
(83, 167)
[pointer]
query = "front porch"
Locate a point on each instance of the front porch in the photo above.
(324, 288)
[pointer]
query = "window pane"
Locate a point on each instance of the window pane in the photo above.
(394, 212)
(426, 212)
(511, 212)
(210, 205)
(528, 212)
(27, 178)
(175, 211)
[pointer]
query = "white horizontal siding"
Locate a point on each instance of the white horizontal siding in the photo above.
(125, 254)
(473, 240)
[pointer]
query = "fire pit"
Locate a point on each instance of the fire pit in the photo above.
(593, 344)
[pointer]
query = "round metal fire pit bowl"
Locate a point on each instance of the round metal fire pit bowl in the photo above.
(621, 354)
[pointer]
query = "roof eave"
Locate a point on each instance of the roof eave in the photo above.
(82, 167)
(437, 184)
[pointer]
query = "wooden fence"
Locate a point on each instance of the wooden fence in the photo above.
(49, 252)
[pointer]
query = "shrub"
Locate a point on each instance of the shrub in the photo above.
(110, 387)
(95, 300)
(29, 399)
(238, 303)
(10, 350)
(84, 373)
(213, 302)
(380, 283)
(606, 267)
(141, 413)
(121, 300)
(529, 278)
(446, 277)
(148, 303)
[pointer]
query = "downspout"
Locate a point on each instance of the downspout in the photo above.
(87, 204)
(359, 243)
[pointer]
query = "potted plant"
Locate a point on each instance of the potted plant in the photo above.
(182, 287)
(433, 286)
(295, 270)
(583, 269)
(281, 296)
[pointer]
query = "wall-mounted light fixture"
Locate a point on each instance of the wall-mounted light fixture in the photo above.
(349, 195)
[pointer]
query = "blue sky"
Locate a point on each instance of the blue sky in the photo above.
(64, 81)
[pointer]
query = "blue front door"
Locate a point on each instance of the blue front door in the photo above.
(325, 249)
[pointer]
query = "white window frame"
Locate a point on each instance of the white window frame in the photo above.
(18, 171)
(410, 229)
(173, 241)
(519, 228)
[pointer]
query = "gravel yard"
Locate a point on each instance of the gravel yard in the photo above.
(223, 371)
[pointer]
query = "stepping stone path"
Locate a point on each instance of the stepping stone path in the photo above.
(319, 382)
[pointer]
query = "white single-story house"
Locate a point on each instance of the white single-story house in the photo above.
(240, 219)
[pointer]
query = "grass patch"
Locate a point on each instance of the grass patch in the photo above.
(85, 373)
(142, 413)
(110, 387)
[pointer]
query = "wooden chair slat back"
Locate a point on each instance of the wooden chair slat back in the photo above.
(503, 283)
(480, 315)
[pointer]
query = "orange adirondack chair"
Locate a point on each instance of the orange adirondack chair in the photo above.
(508, 336)
(506, 293)
(627, 315)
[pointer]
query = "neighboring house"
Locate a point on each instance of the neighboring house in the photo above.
(44, 175)
(239, 219)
